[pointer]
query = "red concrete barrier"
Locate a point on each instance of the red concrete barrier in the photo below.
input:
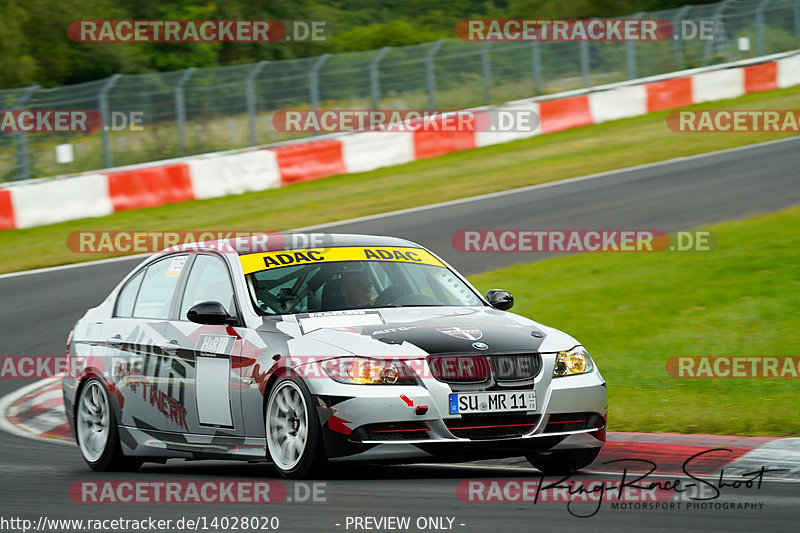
(150, 186)
(762, 77)
(6, 210)
(669, 94)
(563, 114)
(310, 160)
(431, 141)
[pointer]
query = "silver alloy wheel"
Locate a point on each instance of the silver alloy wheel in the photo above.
(93, 421)
(287, 425)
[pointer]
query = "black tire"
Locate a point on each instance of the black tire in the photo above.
(563, 461)
(97, 432)
(297, 453)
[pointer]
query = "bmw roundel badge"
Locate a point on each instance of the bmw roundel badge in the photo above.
(480, 345)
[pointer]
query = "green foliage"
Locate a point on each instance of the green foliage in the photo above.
(635, 311)
(394, 33)
(17, 66)
(35, 47)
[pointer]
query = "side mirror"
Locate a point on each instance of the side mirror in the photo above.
(209, 313)
(500, 299)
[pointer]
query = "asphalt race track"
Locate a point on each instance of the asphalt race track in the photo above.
(38, 310)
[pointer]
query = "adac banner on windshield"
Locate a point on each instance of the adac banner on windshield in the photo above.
(278, 259)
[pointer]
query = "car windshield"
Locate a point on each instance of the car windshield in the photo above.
(342, 285)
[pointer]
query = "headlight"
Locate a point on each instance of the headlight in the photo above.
(365, 371)
(571, 362)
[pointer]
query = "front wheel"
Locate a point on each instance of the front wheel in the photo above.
(97, 432)
(563, 461)
(293, 430)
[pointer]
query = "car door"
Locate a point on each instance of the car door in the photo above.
(135, 334)
(204, 355)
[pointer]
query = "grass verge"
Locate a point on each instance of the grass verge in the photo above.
(552, 157)
(635, 311)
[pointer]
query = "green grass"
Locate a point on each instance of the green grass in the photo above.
(634, 311)
(541, 159)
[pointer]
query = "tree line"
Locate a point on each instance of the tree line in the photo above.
(36, 48)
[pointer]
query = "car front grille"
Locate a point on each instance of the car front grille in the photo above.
(515, 367)
(460, 368)
(463, 369)
(491, 427)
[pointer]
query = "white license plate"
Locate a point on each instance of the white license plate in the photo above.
(492, 402)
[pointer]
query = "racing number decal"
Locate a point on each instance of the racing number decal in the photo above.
(267, 260)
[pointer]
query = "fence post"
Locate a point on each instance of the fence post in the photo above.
(676, 21)
(797, 19)
(313, 82)
(374, 81)
(630, 51)
(536, 58)
(23, 162)
(760, 46)
(251, 100)
(486, 67)
(431, 72)
(584, 48)
(180, 109)
(716, 20)
(108, 159)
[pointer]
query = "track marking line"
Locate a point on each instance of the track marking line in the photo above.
(590, 471)
(9, 399)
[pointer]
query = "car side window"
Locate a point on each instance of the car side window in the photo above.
(127, 296)
(158, 286)
(208, 281)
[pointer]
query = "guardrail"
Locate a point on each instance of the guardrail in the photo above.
(39, 202)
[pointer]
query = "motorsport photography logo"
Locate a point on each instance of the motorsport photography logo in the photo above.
(406, 120)
(576, 241)
(639, 487)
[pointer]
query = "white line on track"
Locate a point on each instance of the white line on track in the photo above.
(6, 402)
(629, 475)
(11, 398)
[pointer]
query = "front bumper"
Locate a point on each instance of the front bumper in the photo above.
(404, 423)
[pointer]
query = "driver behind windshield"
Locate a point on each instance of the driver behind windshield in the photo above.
(356, 289)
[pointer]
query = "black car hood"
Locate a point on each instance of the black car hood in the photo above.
(440, 331)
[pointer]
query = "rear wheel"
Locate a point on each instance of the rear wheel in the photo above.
(563, 461)
(293, 430)
(97, 432)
